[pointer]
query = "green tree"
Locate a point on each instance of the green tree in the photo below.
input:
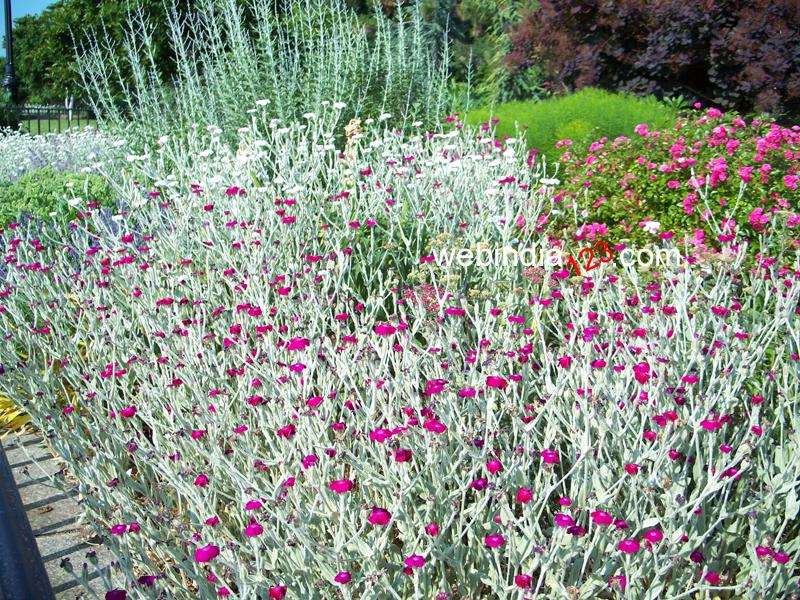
(44, 45)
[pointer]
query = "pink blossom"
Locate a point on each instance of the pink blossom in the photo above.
(653, 535)
(277, 592)
(601, 517)
(629, 546)
(549, 456)
(494, 466)
(340, 486)
(128, 412)
(563, 520)
(494, 540)
(523, 581)
(414, 561)
(342, 577)
(379, 516)
(524, 495)
(254, 529)
(495, 381)
(206, 553)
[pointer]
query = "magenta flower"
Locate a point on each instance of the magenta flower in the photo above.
(494, 540)
(340, 486)
(432, 529)
(549, 456)
(628, 546)
(379, 516)
(298, 344)
(762, 551)
(414, 561)
(116, 594)
(479, 484)
(494, 466)
(128, 412)
(524, 495)
(254, 529)
(402, 455)
(780, 557)
(523, 581)
(277, 592)
(563, 520)
(653, 535)
(342, 577)
(602, 518)
(494, 381)
(206, 553)
(384, 329)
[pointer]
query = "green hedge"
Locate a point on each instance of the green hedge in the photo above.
(582, 117)
(45, 191)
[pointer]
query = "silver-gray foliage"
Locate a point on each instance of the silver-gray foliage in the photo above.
(296, 57)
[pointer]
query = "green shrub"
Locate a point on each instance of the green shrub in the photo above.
(587, 113)
(45, 191)
(707, 177)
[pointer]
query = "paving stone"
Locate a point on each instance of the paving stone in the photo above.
(55, 517)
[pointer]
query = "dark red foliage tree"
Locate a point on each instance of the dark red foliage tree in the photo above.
(735, 53)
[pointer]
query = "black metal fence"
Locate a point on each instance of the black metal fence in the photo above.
(36, 120)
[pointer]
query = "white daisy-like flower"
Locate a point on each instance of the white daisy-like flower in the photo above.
(339, 105)
(417, 124)
(549, 181)
(262, 102)
(74, 201)
(652, 227)
(384, 116)
(309, 116)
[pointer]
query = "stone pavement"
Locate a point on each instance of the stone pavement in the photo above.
(56, 518)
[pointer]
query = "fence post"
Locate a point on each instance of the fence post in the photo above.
(22, 572)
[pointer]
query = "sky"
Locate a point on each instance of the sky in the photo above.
(20, 8)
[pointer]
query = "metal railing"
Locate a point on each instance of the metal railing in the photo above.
(38, 119)
(22, 573)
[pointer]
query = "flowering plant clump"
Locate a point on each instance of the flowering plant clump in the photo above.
(259, 400)
(708, 178)
(71, 151)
